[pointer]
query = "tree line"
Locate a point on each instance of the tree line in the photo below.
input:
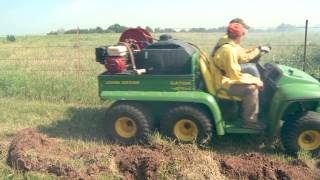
(117, 28)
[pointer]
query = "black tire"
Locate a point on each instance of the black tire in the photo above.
(187, 112)
(138, 116)
(292, 130)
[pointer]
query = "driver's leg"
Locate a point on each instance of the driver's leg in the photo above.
(250, 104)
(250, 68)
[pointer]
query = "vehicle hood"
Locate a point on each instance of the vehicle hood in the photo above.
(295, 76)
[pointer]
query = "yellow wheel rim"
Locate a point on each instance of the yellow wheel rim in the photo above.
(309, 140)
(125, 127)
(186, 130)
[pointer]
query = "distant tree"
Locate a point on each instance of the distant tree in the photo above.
(285, 27)
(222, 29)
(198, 30)
(11, 38)
(157, 30)
(212, 30)
(60, 31)
(52, 33)
(95, 30)
(169, 30)
(107, 31)
(149, 29)
(165, 30)
(83, 31)
(117, 28)
(71, 31)
(99, 30)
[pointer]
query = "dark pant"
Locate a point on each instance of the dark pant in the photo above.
(250, 68)
(250, 100)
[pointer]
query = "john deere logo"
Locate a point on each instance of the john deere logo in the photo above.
(180, 83)
(122, 82)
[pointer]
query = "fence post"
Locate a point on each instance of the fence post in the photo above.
(78, 53)
(305, 46)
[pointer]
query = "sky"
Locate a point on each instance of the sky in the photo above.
(42, 16)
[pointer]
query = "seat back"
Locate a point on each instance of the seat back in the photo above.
(208, 80)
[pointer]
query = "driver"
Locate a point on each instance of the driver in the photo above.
(245, 56)
(227, 75)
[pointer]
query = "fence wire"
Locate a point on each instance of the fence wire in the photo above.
(60, 52)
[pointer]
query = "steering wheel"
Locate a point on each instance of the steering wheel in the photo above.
(257, 59)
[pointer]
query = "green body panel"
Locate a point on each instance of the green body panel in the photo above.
(181, 96)
(235, 127)
(296, 76)
(293, 86)
(288, 94)
(146, 83)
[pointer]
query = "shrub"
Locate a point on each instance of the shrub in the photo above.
(11, 38)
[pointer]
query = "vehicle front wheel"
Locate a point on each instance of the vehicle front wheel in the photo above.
(302, 134)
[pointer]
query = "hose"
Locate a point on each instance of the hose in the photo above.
(131, 56)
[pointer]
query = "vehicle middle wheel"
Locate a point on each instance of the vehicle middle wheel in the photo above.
(187, 123)
(128, 123)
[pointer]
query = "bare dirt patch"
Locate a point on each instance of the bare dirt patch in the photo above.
(31, 151)
(136, 162)
(159, 160)
(257, 166)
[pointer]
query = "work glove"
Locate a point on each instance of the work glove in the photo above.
(265, 48)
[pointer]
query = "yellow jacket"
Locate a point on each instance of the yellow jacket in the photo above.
(245, 54)
(227, 58)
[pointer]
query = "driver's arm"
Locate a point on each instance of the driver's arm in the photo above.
(233, 70)
(246, 55)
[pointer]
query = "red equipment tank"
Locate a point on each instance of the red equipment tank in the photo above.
(138, 37)
(115, 64)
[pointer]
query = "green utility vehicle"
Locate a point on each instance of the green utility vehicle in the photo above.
(166, 85)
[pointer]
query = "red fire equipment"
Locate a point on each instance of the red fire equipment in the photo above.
(137, 37)
(115, 64)
(121, 57)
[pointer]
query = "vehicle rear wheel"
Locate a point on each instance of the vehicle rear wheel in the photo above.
(128, 123)
(187, 123)
(302, 134)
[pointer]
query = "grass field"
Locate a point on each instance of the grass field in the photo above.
(44, 67)
(39, 87)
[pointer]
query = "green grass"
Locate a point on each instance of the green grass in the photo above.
(44, 67)
(39, 87)
(79, 126)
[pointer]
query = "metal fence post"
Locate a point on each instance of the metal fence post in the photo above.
(305, 46)
(78, 53)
